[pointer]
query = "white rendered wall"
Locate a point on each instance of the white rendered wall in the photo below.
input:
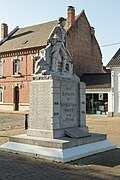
(115, 85)
(110, 102)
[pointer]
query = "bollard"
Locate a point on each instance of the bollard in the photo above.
(26, 121)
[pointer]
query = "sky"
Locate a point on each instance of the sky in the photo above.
(103, 15)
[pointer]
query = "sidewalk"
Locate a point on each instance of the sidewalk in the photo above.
(101, 166)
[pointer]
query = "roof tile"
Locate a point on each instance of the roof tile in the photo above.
(97, 80)
(27, 37)
(115, 61)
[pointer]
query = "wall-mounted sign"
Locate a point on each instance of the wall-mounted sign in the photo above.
(100, 96)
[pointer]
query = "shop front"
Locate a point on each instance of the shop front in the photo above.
(99, 95)
(97, 103)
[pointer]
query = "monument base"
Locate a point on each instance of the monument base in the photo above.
(61, 150)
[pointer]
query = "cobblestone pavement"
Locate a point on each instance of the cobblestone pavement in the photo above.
(99, 167)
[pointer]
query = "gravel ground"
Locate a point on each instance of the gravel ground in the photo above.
(107, 125)
(11, 124)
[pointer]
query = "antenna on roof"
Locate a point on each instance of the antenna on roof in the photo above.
(10, 34)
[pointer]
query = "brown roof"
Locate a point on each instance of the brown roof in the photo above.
(32, 36)
(97, 80)
(27, 37)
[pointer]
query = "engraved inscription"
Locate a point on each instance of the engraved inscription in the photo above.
(56, 114)
(69, 104)
(56, 103)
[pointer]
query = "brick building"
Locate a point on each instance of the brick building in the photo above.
(20, 49)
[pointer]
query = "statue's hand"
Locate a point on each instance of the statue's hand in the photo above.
(48, 42)
(53, 42)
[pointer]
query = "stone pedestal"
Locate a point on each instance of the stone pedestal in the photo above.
(56, 105)
(57, 123)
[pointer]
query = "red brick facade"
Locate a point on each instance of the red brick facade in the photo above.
(9, 81)
(83, 47)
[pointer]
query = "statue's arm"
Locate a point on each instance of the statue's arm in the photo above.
(52, 35)
(65, 40)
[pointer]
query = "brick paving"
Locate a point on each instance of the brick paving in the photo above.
(101, 166)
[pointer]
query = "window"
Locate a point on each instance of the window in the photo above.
(1, 68)
(35, 58)
(1, 94)
(16, 67)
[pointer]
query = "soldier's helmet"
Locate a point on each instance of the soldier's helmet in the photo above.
(60, 19)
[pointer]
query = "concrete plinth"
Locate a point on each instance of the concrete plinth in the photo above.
(62, 150)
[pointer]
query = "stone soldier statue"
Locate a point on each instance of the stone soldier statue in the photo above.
(59, 51)
(55, 51)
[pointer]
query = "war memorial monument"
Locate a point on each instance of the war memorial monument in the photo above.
(57, 120)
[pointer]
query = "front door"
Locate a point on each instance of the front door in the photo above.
(16, 98)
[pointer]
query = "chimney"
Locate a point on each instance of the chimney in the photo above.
(93, 31)
(71, 16)
(4, 31)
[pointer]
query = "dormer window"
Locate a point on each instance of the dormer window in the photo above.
(25, 42)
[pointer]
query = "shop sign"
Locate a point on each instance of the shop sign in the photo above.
(100, 96)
